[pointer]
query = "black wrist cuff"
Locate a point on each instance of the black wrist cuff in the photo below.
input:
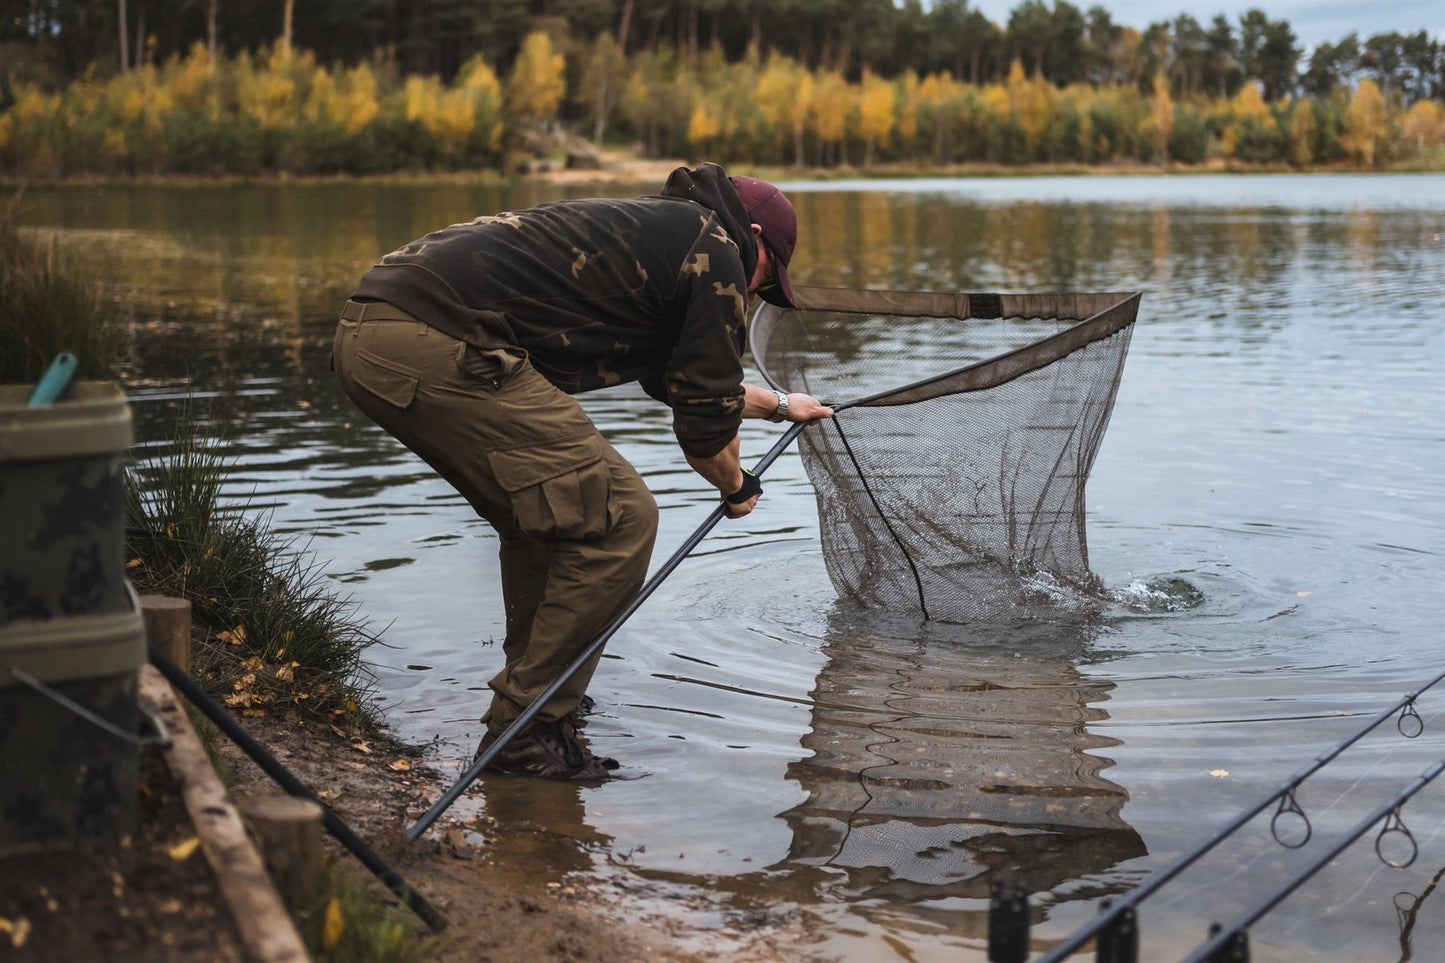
(751, 486)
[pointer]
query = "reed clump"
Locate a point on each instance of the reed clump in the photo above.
(47, 306)
(270, 631)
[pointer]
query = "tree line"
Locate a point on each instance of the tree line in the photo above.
(374, 86)
(53, 42)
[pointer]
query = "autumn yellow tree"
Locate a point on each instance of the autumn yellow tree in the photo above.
(1161, 117)
(828, 114)
(1244, 114)
(1423, 126)
(478, 84)
(1365, 124)
(933, 113)
(446, 115)
(875, 114)
(1030, 100)
(784, 96)
(702, 126)
(537, 82)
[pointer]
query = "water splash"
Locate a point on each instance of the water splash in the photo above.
(1162, 593)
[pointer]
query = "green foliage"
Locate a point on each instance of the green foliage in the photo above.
(282, 111)
(351, 923)
(47, 306)
(274, 631)
(1189, 140)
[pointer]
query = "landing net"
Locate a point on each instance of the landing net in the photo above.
(954, 486)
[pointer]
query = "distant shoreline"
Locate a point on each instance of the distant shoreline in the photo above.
(632, 171)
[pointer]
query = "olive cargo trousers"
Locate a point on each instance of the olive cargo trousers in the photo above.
(575, 520)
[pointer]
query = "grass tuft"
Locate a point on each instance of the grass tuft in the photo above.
(46, 307)
(349, 924)
(273, 631)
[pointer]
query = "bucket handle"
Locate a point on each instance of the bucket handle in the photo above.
(161, 738)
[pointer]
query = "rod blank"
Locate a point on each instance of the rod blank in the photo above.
(287, 781)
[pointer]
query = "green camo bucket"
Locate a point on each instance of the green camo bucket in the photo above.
(63, 778)
(62, 503)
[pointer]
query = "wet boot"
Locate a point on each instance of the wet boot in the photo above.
(577, 718)
(546, 751)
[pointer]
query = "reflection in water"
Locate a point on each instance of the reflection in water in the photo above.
(541, 820)
(1277, 441)
(1407, 908)
(938, 765)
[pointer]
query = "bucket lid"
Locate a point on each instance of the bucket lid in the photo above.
(73, 646)
(93, 419)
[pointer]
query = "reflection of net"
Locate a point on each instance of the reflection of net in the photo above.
(934, 769)
(956, 486)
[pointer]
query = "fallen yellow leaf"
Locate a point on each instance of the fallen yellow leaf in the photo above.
(334, 926)
(19, 932)
(401, 765)
(181, 851)
(134, 563)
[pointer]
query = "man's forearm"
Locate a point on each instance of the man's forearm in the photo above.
(758, 402)
(724, 470)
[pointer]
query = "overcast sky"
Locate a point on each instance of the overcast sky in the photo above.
(1313, 20)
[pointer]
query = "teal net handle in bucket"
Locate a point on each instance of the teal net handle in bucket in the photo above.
(54, 382)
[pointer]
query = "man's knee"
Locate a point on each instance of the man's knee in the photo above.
(637, 522)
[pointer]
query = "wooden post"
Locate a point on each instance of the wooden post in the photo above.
(168, 626)
(287, 830)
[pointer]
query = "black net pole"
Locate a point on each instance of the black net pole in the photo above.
(284, 778)
(1137, 895)
(594, 647)
(1390, 807)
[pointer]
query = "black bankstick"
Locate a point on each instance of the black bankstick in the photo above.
(520, 723)
(295, 787)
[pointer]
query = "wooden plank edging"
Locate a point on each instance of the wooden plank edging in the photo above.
(266, 932)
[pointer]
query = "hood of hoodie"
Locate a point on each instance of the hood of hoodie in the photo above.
(708, 185)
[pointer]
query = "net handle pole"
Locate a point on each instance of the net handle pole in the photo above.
(593, 648)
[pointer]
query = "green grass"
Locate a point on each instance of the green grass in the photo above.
(273, 630)
(47, 306)
(350, 924)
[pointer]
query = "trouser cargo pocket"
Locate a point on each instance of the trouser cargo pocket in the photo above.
(388, 380)
(559, 489)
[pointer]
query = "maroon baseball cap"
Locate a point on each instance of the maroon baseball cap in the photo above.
(770, 210)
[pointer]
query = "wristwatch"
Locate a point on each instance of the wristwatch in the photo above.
(781, 415)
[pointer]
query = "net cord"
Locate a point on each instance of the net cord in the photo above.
(882, 515)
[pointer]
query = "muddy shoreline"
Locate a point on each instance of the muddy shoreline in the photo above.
(502, 906)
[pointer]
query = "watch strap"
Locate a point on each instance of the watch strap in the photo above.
(780, 414)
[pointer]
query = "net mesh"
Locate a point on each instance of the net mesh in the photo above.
(954, 485)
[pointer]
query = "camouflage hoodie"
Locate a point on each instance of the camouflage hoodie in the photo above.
(601, 292)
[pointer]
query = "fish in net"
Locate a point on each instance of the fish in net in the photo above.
(953, 486)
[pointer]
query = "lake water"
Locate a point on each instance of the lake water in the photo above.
(844, 783)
